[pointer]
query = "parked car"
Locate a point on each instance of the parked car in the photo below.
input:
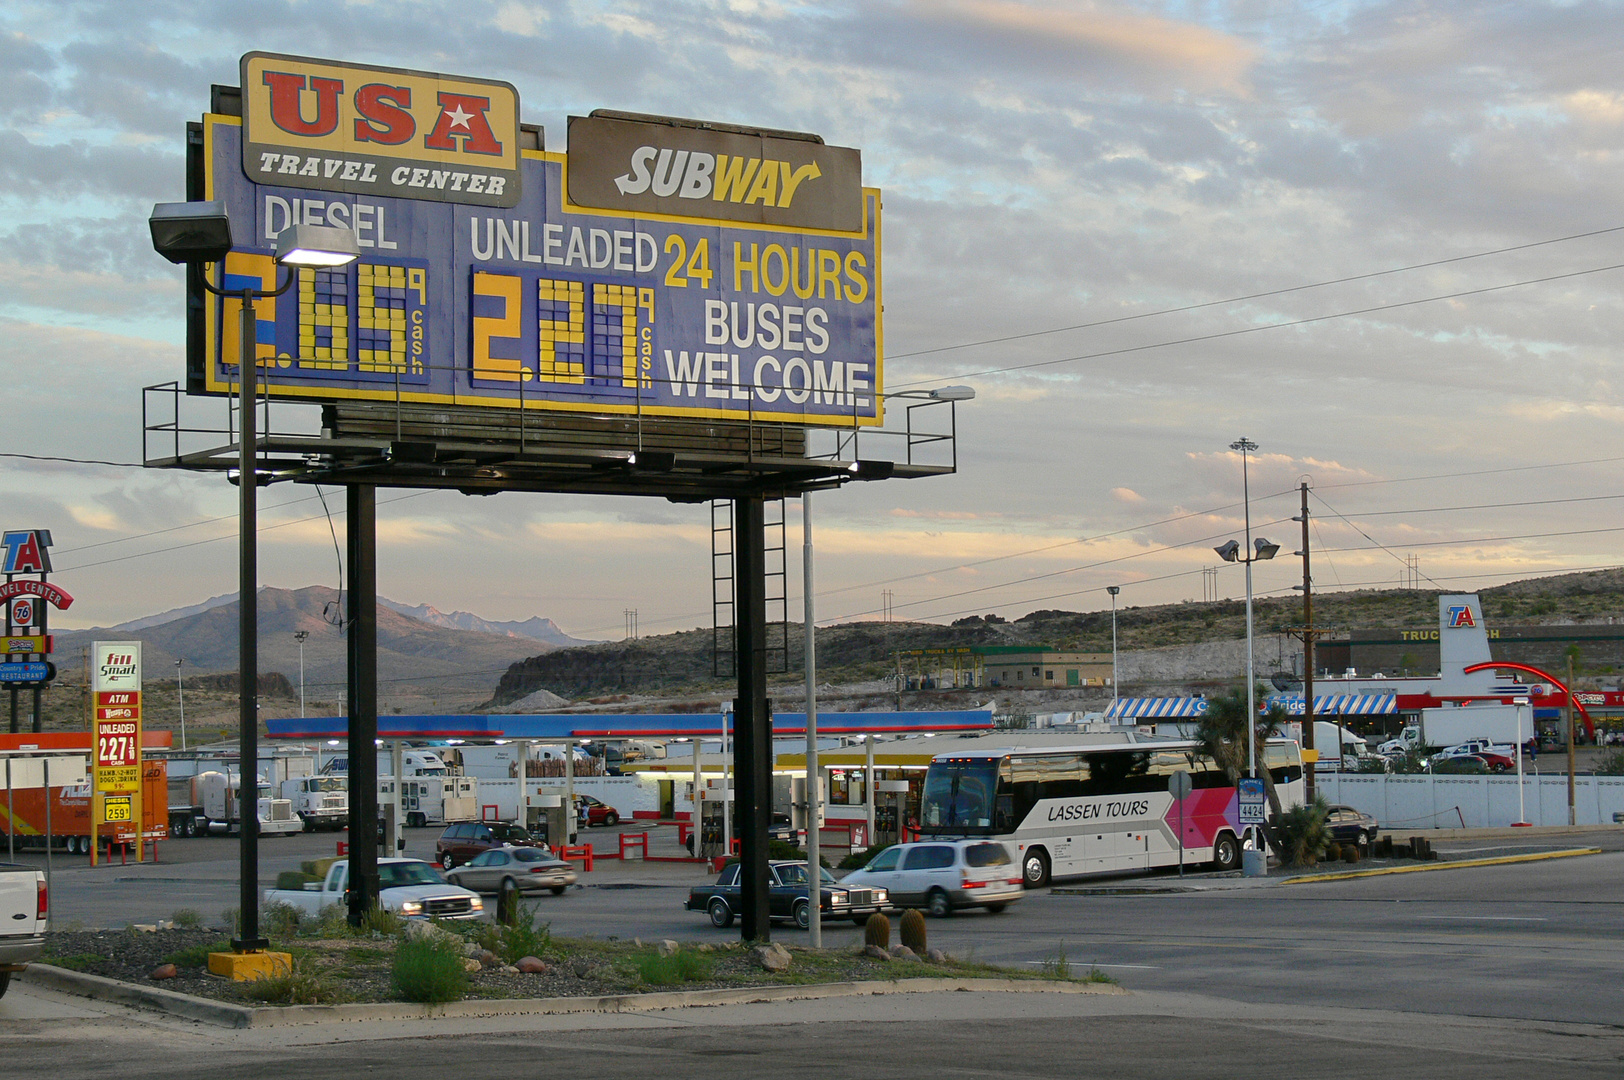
(788, 896)
(527, 869)
(782, 828)
(410, 888)
(22, 936)
(593, 811)
(1498, 758)
(1350, 826)
(460, 843)
(943, 876)
(1468, 764)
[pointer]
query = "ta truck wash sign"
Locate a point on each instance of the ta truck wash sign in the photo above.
(659, 268)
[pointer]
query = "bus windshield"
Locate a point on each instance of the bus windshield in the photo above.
(958, 797)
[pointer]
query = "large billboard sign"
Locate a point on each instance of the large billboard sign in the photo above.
(642, 301)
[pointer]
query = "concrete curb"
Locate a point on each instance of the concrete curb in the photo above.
(239, 1016)
(1464, 864)
(139, 997)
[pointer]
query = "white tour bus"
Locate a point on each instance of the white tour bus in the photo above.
(1090, 809)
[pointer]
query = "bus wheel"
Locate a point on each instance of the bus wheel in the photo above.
(1035, 869)
(1226, 853)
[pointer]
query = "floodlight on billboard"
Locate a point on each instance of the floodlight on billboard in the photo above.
(574, 290)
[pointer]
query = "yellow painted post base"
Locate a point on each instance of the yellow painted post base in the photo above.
(247, 967)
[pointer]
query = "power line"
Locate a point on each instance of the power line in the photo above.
(1366, 535)
(1253, 296)
(1223, 334)
(228, 536)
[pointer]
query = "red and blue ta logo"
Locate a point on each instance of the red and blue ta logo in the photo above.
(1461, 616)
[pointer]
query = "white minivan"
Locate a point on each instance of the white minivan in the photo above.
(942, 876)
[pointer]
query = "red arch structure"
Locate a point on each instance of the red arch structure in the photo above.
(1529, 669)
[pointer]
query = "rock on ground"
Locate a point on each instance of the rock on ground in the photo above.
(530, 965)
(666, 947)
(902, 952)
(773, 957)
(876, 952)
(164, 971)
(427, 931)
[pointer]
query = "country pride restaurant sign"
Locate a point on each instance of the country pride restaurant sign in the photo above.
(663, 267)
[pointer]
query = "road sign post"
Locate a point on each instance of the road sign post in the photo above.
(1251, 813)
(1178, 786)
(116, 738)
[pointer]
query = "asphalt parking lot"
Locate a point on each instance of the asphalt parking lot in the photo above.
(1535, 941)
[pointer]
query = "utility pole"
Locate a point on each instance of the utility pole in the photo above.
(1567, 713)
(1308, 654)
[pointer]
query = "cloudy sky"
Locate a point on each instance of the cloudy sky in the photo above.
(1380, 239)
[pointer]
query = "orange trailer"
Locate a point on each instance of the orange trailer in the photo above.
(70, 814)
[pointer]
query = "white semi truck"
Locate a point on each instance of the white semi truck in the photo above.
(320, 802)
(218, 794)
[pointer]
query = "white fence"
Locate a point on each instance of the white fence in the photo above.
(1452, 802)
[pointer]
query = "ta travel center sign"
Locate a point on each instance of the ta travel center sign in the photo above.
(660, 267)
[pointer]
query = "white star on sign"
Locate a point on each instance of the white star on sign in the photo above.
(460, 118)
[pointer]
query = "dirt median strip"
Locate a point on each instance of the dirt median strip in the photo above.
(223, 1014)
(1464, 864)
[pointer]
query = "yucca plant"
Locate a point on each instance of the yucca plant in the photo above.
(1302, 834)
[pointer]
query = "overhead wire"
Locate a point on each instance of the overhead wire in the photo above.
(1116, 320)
(1219, 335)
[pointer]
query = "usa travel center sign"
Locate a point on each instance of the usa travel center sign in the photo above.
(660, 267)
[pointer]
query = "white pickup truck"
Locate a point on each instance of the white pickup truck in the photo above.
(23, 916)
(407, 887)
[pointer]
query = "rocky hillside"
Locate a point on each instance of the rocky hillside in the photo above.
(854, 652)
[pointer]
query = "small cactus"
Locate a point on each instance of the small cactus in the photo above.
(912, 931)
(1333, 852)
(877, 931)
(1350, 854)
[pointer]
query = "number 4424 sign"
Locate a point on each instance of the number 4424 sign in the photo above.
(116, 725)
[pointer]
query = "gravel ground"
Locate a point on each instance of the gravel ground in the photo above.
(359, 969)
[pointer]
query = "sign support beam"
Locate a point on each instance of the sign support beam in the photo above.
(752, 722)
(361, 618)
(248, 939)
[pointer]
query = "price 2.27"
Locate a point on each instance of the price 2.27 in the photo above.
(116, 750)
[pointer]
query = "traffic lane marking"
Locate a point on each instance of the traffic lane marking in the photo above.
(1486, 918)
(1464, 864)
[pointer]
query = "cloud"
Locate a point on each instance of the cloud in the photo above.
(1081, 40)
(1126, 495)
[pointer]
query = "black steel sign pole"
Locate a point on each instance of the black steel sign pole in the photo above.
(753, 737)
(361, 626)
(248, 939)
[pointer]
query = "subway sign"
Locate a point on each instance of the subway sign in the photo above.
(675, 307)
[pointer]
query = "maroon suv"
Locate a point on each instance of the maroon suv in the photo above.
(459, 843)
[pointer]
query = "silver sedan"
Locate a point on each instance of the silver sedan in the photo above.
(528, 869)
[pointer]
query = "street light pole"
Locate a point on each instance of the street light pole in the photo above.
(1113, 590)
(1245, 446)
(1257, 549)
(180, 693)
(198, 233)
(299, 636)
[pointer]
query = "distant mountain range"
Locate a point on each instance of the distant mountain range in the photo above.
(535, 628)
(424, 657)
